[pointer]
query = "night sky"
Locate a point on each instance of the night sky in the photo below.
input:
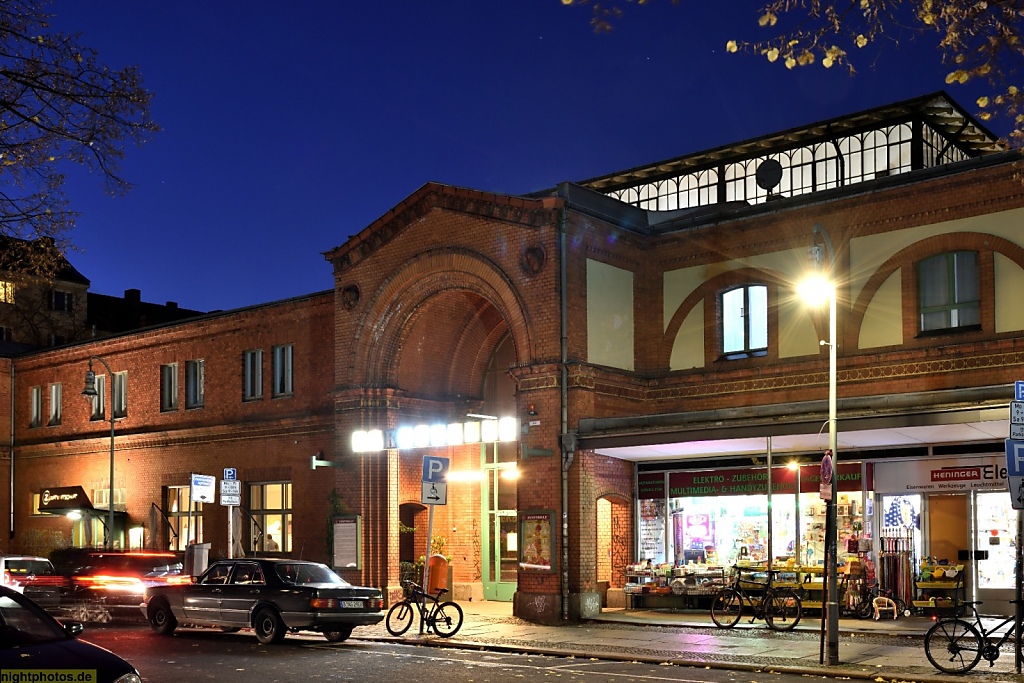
(288, 127)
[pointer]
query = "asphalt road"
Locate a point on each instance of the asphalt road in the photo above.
(208, 655)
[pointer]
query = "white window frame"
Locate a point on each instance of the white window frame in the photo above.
(252, 371)
(99, 401)
(282, 370)
(195, 381)
(36, 403)
(55, 405)
(120, 394)
(747, 335)
(168, 387)
(955, 309)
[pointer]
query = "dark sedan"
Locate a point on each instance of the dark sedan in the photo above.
(35, 646)
(271, 596)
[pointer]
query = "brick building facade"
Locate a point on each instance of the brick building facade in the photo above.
(597, 315)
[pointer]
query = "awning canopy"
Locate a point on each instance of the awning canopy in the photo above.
(63, 498)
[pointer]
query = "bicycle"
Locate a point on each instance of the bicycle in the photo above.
(780, 608)
(445, 618)
(955, 645)
(864, 604)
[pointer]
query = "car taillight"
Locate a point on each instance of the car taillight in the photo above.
(323, 603)
(375, 603)
(130, 584)
(8, 579)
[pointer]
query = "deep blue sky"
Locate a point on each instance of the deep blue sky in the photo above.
(288, 127)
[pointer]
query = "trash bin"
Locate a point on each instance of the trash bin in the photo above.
(438, 566)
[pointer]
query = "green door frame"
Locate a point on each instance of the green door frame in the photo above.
(490, 527)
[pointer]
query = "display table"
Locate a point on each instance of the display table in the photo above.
(672, 587)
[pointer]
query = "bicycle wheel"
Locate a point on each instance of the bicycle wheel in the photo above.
(726, 608)
(953, 646)
(447, 619)
(399, 618)
(865, 608)
(782, 609)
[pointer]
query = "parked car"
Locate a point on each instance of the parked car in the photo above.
(33, 576)
(101, 584)
(272, 596)
(32, 641)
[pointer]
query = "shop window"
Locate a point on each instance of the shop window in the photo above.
(744, 318)
(36, 406)
(949, 291)
(282, 363)
(270, 506)
(55, 405)
(176, 508)
(195, 378)
(252, 381)
(169, 387)
(120, 394)
(98, 411)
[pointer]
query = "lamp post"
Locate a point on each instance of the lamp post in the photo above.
(831, 521)
(90, 391)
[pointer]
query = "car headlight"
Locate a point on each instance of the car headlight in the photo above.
(129, 678)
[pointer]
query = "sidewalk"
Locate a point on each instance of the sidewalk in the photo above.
(883, 650)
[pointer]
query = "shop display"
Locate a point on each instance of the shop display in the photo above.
(940, 586)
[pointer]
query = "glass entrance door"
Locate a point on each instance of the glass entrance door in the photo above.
(995, 546)
(499, 542)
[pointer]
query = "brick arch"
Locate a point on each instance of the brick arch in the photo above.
(938, 244)
(708, 290)
(448, 276)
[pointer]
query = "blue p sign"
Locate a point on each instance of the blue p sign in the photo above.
(435, 469)
(1014, 458)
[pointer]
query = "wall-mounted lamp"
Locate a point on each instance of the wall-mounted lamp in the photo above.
(531, 409)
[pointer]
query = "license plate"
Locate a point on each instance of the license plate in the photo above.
(352, 604)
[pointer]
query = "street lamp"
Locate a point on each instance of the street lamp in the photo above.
(817, 287)
(90, 391)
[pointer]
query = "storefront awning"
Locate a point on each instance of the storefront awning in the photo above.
(63, 498)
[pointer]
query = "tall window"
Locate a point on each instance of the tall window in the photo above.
(99, 401)
(195, 377)
(270, 505)
(282, 370)
(253, 381)
(176, 509)
(745, 321)
(62, 301)
(169, 387)
(6, 292)
(120, 389)
(949, 290)
(55, 407)
(36, 397)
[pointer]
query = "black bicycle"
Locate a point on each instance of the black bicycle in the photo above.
(445, 618)
(780, 608)
(955, 645)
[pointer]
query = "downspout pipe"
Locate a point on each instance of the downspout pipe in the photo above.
(568, 441)
(10, 532)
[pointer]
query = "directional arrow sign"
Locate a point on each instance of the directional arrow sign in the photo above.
(434, 493)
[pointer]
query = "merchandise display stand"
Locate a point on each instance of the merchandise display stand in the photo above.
(895, 568)
(940, 589)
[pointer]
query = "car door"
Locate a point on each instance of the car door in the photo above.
(244, 588)
(202, 599)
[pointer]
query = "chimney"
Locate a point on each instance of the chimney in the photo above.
(173, 305)
(133, 295)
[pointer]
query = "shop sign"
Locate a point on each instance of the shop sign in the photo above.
(64, 498)
(754, 481)
(650, 485)
(941, 476)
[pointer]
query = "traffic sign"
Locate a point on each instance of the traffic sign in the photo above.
(203, 486)
(434, 493)
(230, 487)
(230, 474)
(435, 468)
(1018, 391)
(1017, 432)
(230, 500)
(825, 486)
(1014, 458)
(1017, 412)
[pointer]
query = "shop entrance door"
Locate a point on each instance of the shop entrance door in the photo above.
(995, 546)
(499, 541)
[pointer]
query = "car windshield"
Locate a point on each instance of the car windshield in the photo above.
(22, 625)
(307, 572)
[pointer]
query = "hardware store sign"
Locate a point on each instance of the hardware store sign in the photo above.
(941, 476)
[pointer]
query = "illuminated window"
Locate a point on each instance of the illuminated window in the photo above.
(176, 508)
(55, 407)
(6, 292)
(270, 505)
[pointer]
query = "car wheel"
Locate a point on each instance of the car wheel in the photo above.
(161, 618)
(338, 635)
(268, 626)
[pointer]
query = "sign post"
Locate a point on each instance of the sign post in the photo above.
(434, 491)
(230, 495)
(1015, 479)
